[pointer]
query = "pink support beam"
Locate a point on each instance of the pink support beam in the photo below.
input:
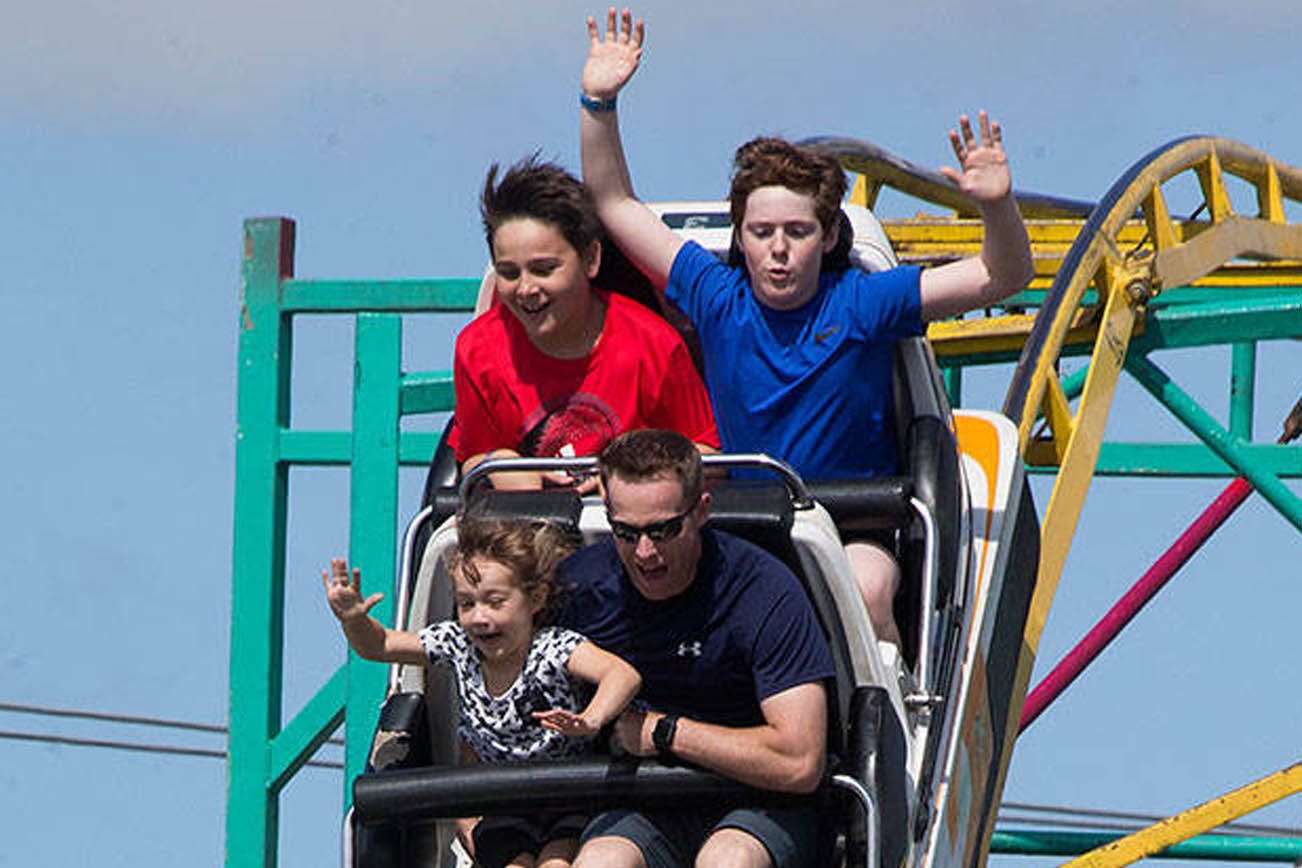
(1135, 599)
(1147, 587)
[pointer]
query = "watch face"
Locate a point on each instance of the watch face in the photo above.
(663, 734)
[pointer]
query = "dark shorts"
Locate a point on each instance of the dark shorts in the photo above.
(795, 837)
(498, 840)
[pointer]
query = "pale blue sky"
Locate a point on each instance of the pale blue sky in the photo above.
(139, 134)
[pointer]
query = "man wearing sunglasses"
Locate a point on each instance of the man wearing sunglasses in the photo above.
(732, 658)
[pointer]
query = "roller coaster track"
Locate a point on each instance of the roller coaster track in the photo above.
(1101, 272)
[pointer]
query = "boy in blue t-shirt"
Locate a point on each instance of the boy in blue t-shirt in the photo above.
(797, 354)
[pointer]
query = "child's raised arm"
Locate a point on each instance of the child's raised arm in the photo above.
(369, 638)
(617, 682)
(1004, 265)
(612, 60)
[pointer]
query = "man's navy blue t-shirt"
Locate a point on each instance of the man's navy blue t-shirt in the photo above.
(743, 631)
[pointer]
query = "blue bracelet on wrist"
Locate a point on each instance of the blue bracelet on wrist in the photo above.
(596, 105)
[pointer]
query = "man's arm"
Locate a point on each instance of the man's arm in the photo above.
(786, 753)
(644, 238)
(1004, 265)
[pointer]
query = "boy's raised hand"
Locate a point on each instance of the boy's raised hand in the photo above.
(984, 171)
(612, 60)
(344, 592)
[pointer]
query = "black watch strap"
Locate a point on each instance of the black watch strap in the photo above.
(663, 738)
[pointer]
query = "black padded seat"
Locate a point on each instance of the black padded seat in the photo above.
(560, 506)
(760, 512)
(934, 464)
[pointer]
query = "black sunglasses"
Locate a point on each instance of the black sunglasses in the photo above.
(658, 531)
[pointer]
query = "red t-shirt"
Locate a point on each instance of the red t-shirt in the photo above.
(511, 395)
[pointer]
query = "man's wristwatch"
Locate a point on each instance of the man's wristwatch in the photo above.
(663, 738)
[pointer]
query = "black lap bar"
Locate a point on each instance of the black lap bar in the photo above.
(582, 785)
(865, 504)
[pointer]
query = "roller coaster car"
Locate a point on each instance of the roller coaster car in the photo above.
(915, 744)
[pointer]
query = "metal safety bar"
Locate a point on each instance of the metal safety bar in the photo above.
(800, 497)
(926, 695)
(347, 858)
(871, 820)
(402, 593)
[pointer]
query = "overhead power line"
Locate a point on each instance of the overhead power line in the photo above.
(141, 748)
(134, 720)
(124, 718)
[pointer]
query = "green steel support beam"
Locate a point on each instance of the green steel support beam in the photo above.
(1208, 323)
(430, 392)
(316, 448)
(1181, 296)
(373, 509)
(1191, 459)
(258, 558)
(310, 728)
(455, 295)
(1074, 383)
(416, 448)
(1229, 848)
(1248, 316)
(1201, 423)
(335, 448)
(1186, 460)
(954, 385)
(1117, 458)
(1243, 384)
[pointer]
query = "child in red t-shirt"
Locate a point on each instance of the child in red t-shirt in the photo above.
(560, 368)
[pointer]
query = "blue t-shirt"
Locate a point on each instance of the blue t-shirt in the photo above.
(811, 386)
(743, 631)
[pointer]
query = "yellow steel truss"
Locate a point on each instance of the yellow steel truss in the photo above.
(1194, 821)
(1100, 271)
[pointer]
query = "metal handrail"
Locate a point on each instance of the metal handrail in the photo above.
(927, 695)
(402, 593)
(800, 497)
(871, 822)
(497, 465)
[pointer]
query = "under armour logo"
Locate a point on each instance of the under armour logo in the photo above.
(689, 649)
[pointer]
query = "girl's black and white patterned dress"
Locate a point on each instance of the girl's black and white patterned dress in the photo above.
(502, 729)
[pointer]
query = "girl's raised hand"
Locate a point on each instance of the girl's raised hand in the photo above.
(344, 592)
(565, 722)
(612, 60)
(983, 166)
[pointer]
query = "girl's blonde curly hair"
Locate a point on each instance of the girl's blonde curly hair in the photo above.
(531, 550)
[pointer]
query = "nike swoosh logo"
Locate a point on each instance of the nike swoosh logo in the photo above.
(822, 336)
